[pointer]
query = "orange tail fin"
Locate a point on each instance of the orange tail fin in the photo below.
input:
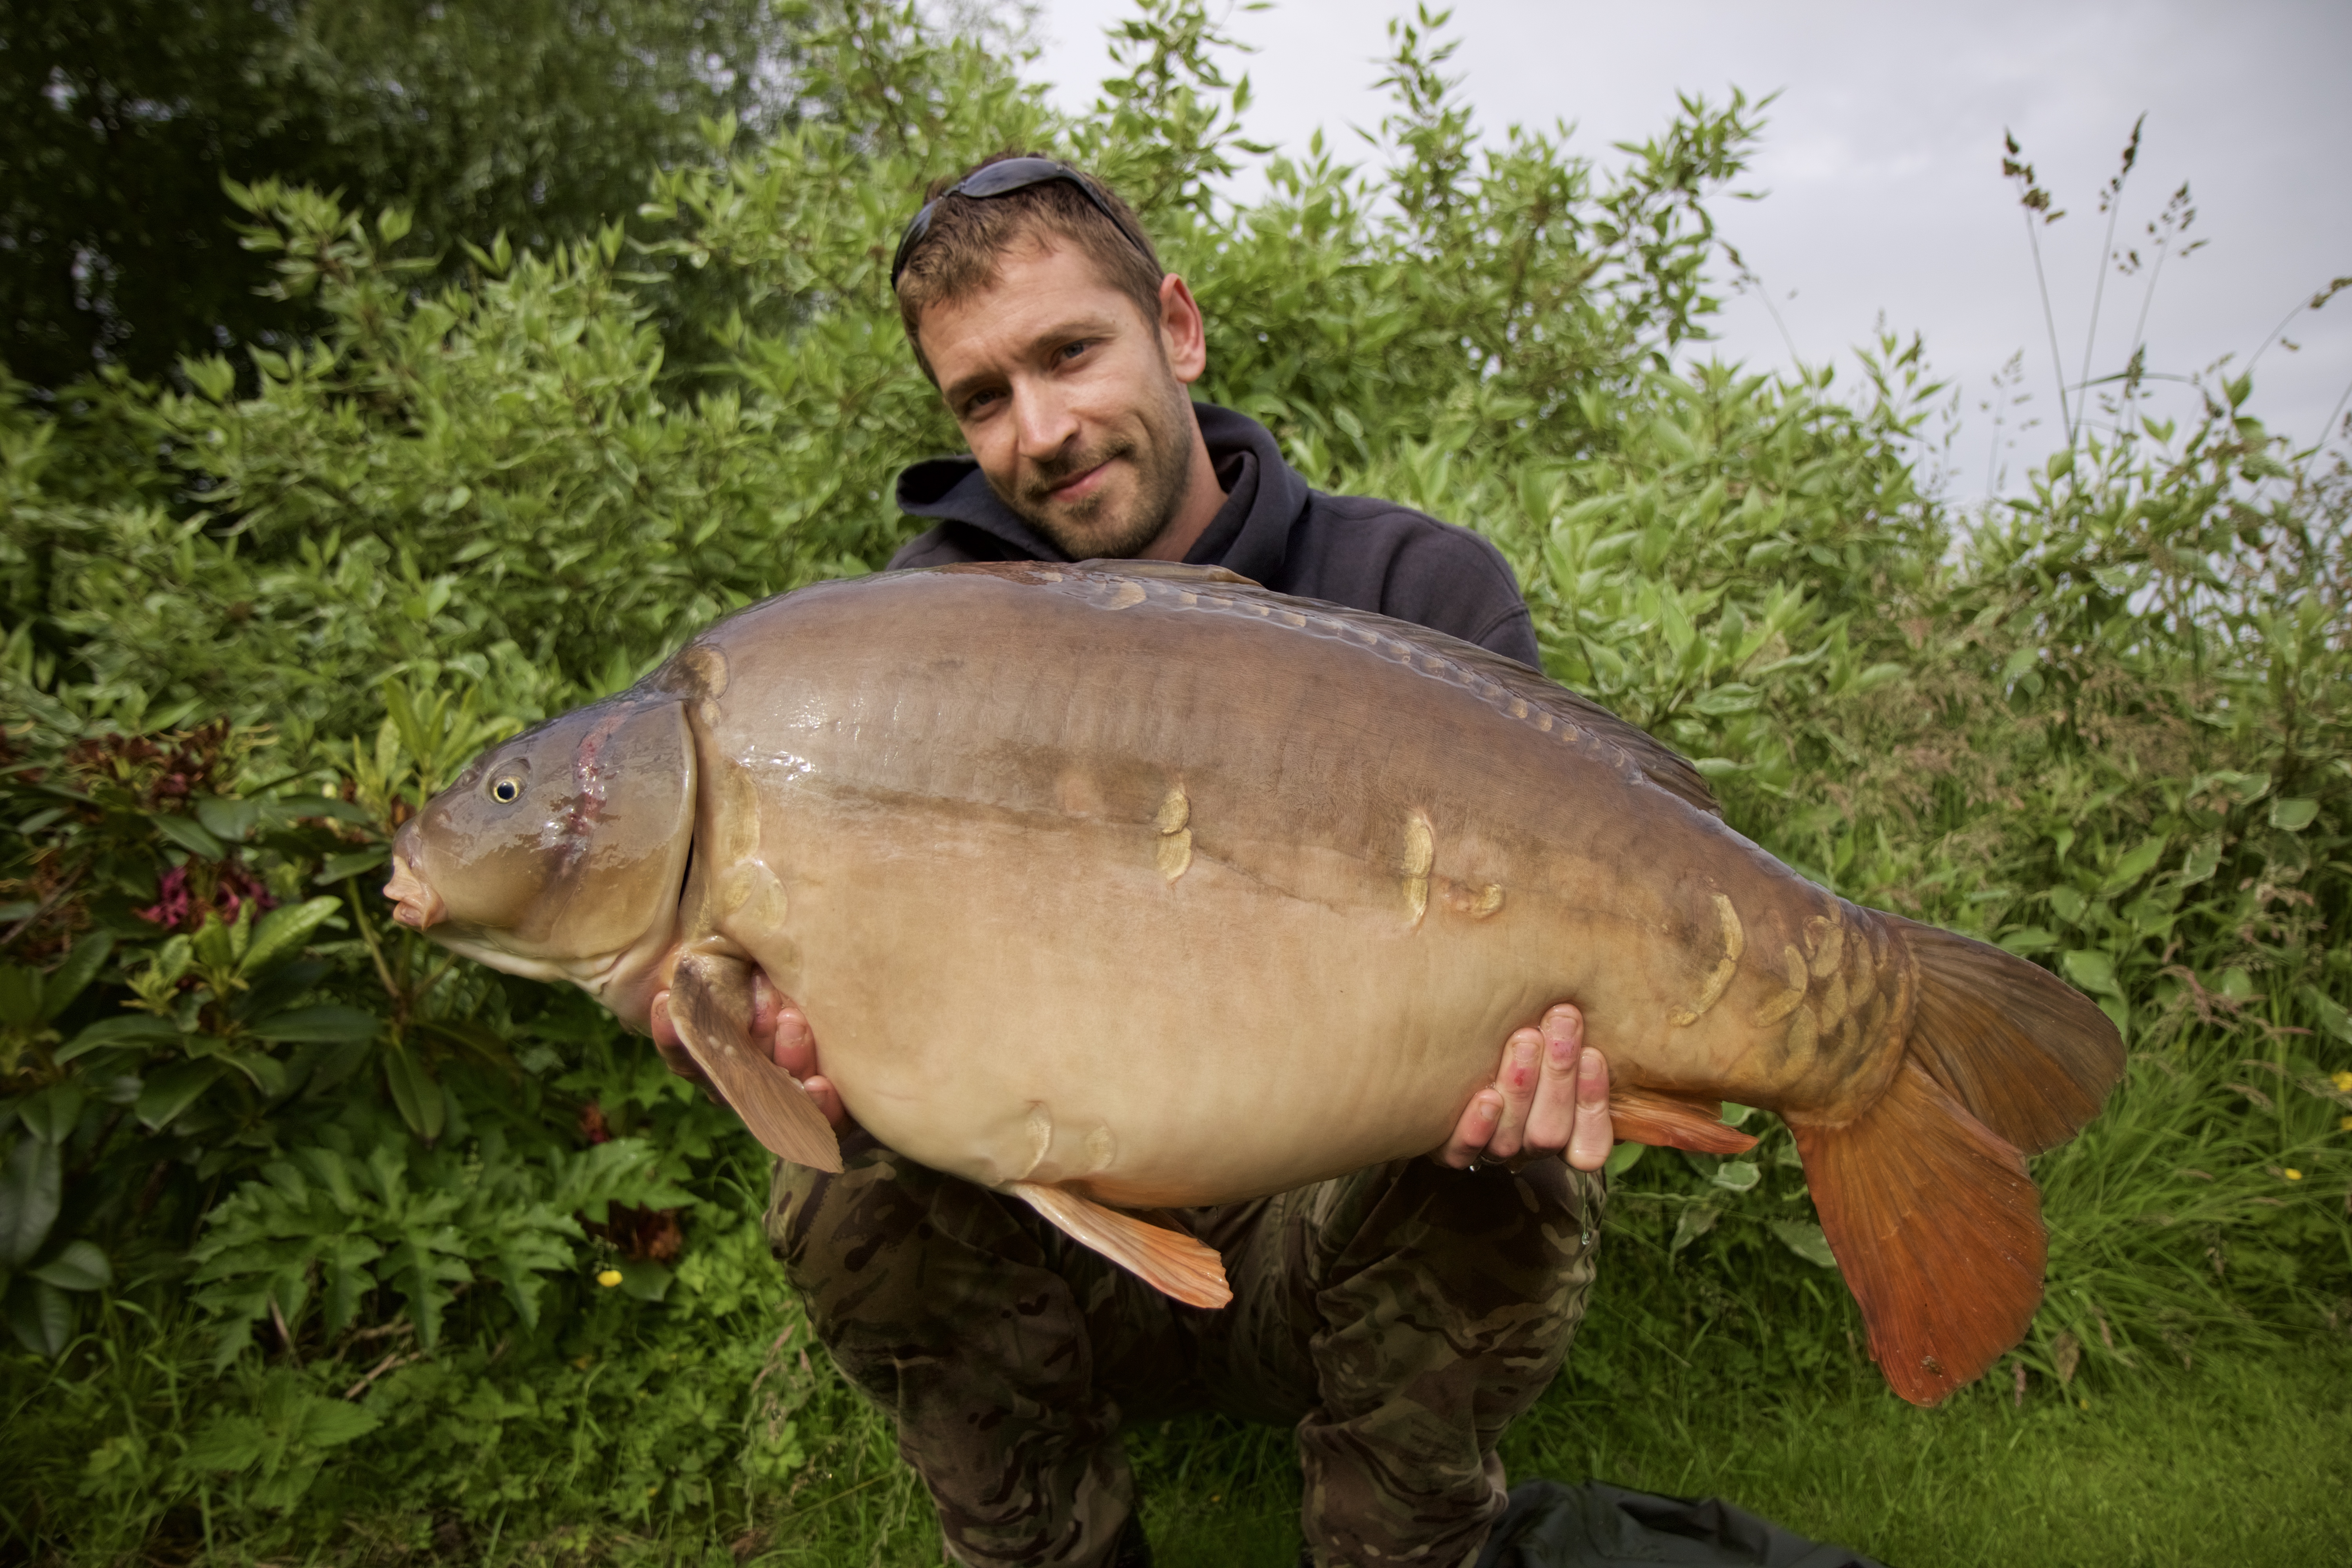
(1938, 1229)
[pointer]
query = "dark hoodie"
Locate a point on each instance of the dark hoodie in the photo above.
(1350, 549)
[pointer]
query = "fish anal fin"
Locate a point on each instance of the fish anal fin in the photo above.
(710, 1007)
(1168, 1260)
(1674, 1122)
(1937, 1229)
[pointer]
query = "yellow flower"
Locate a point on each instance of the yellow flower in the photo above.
(2343, 1080)
(610, 1278)
(2293, 1175)
(2345, 1125)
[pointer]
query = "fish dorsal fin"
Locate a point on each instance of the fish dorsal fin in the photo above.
(1168, 1260)
(711, 1004)
(1504, 682)
(1169, 571)
(1674, 1122)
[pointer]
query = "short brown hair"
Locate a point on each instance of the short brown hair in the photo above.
(968, 234)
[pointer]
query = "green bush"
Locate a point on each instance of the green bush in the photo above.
(314, 1236)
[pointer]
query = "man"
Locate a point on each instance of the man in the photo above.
(1399, 1318)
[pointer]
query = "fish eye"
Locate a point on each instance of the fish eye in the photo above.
(507, 791)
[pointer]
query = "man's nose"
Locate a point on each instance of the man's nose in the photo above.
(1046, 419)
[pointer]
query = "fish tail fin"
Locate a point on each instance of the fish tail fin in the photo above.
(1925, 1198)
(2025, 1053)
(1936, 1227)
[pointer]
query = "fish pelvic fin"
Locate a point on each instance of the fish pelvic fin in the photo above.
(710, 1005)
(1674, 1122)
(1937, 1229)
(2025, 1053)
(1168, 1260)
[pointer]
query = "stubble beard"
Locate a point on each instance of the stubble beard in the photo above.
(1087, 529)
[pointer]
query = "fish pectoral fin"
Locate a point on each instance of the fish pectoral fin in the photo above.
(1674, 1122)
(710, 1005)
(1938, 1229)
(1168, 1260)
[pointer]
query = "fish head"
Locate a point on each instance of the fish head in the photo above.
(560, 854)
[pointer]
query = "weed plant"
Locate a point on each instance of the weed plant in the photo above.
(314, 1240)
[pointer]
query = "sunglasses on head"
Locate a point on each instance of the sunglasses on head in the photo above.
(1002, 179)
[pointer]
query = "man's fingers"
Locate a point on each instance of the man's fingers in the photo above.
(1589, 1149)
(1552, 1120)
(791, 1040)
(1522, 1070)
(1472, 1132)
(674, 1054)
(828, 1100)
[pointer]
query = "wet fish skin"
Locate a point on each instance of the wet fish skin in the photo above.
(1147, 888)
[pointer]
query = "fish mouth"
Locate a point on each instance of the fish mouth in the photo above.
(420, 906)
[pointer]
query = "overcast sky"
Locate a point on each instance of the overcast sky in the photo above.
(1882, 160)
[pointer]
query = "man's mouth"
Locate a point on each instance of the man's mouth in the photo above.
(1085, 481)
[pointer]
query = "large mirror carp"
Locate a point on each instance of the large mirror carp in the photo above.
(1122, 886)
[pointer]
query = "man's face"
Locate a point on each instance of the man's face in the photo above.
(1065, 394)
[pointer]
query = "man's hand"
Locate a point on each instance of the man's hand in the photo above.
(1550, 1095)
(776, 1020)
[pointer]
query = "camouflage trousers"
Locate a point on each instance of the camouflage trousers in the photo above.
(1398, 1319)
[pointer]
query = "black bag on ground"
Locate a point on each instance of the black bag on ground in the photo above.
(1596, 1525)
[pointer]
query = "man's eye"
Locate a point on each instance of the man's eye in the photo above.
(1069, 352)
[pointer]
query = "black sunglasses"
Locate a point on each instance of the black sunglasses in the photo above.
(1002, 179)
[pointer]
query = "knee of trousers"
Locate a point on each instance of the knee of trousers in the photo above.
(898, 1265)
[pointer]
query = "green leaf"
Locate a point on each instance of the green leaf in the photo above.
(2332, 1015)
(42, 1317)
(1804, 1238)
(128, 1030)
(643, 1279)
(80, 1267)
(171, 1090)
(326, 1022)
(52, 1113)
(2293, 814)
(2028, 939)
(1730, 698)
(1697, 1220)
(266, 1072)
(1736, 1175)
(415, 1092)
(32, 1186)
(2136, 865)
(2203, 857)
(1624, 1158)
(189, 834)
(337, 866)
(284, 929)
(2092, 971)
(66, 981)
